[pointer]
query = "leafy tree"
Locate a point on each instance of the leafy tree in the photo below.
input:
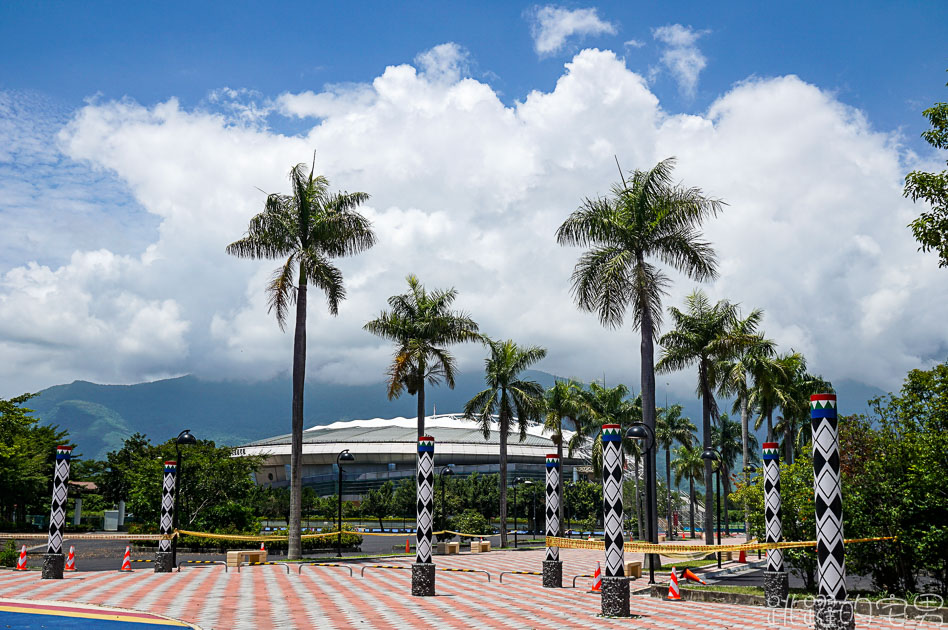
(584, 502)
(931, 228)
(120, 465)
(706, 335)
(671, 427)
(689, 465)
(380, 502)
(563, 400)
(773, 387)
(645, 218)
(27, 459)
(422, 325)
(307, 228)
(510, 398)
(404, 498)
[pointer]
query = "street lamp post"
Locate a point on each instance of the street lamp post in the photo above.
(714, 456)
(445, 470)
(533, 501)
(641, 431)
(517, 482)
(184, 438)
(569, 527)
(344, 456)
(748, 471)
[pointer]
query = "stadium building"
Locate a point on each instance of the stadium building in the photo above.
(385, 449)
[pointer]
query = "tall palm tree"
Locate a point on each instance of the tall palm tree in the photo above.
(728, 440)
(689, 465)
(510, 398)
(307, 228)
(734, 374)
(562, 401)
(646, 218)
(703, 334)
(794, 422)
(773, 379)
(421, 324)
(671, 427)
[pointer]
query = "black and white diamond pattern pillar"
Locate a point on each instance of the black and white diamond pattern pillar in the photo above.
(776, 585)
(828, 503)
(422, 574)
(615, 587)
(552, 567)
(163, 561)
(54, 561)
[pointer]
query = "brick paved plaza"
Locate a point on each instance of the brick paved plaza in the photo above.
(326, 597)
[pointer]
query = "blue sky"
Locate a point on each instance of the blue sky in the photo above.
(135, 139)
(886, 58)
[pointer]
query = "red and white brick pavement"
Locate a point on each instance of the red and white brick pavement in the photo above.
(326, 597)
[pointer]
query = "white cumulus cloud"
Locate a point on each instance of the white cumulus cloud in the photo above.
(552, 26)
(681, 55)
(468, 192)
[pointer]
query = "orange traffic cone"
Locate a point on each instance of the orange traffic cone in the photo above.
(262, 546)
(71, 560)
(688, 575)
(127, 560)
(673, 591)
(742, 557)
(21, 563)
(408, 545)
(597, 580)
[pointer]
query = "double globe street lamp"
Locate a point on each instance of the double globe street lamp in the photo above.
(642, 432)
(344, 456)
(184, 439)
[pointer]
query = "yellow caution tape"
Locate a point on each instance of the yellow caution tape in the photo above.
(68, 536)
(575, 543)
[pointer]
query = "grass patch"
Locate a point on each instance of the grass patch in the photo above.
(685, 564)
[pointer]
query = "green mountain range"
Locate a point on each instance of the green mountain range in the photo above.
(100, 417)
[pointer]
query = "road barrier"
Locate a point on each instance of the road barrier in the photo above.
(201, 562)
(503, 573)
(466, 571)
(575, 543)
(324, 564)
(382, 566)
(253, 564)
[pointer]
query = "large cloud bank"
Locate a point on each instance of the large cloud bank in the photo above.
(467, 192)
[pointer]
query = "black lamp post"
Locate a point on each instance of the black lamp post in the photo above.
(186, 439)
(445, 470)
(344, 456)
(714, 456)
(569, 528)
(641, 431)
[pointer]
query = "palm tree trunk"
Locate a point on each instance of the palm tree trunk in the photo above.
(668, 492)
(421, 407)
(559, 487)
(503, 482)
(770, 425)
(648, 415)
(727, 491)
(706, 440)
(788, 439)
(745, 419)
(692, 501)
(294, 543)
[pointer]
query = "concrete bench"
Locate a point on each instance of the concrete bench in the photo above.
(448, 548)
(633, 569)
(479, 546)
(234, 558)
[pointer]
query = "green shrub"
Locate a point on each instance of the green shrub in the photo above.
(472, 522)
(9, 554)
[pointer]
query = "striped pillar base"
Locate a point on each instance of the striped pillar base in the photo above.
(423, 570)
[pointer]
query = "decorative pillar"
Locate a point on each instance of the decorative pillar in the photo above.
(615, 587)
(831, 609)
(776, 584)
(54, 561)
(423, 570)
(552, 565)
(163, 557)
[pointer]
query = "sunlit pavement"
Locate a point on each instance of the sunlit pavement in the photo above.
(19, 613)
(327, 597)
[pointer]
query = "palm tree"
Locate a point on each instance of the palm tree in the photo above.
(563, 400)
(689, 465)
(703, 334)
(793, 423)
(510, 399)
(307, 228)
(421, 324)
(773, 380)
(671, 427)
(734, 374)
(645, 218)
(727, 439)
